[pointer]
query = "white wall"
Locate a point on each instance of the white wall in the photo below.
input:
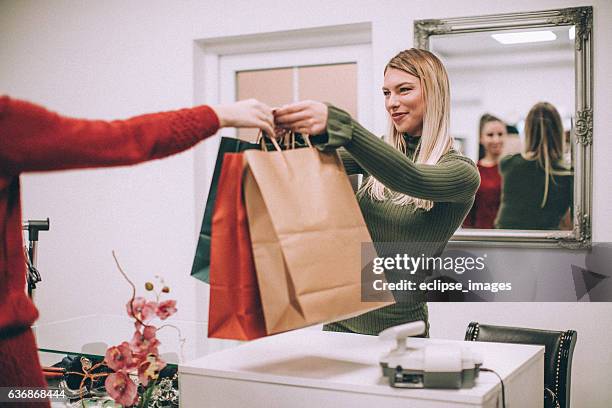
(114, 59)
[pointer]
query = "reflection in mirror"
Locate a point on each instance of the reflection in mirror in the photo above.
(513, 97)
(505, 76)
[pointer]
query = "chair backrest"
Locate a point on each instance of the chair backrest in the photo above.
(559, 349)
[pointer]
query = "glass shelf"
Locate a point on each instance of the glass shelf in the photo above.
(93, 334)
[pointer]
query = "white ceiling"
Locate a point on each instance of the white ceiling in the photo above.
(455, 45)
(480, 50)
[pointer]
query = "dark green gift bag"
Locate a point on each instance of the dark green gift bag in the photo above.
(201, 261)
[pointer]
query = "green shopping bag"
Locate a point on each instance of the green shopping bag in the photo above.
(201, 261)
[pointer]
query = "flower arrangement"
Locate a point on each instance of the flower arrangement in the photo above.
(140, 356)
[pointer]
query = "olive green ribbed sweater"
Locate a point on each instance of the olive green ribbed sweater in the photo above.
(521, 201)
(451, 184)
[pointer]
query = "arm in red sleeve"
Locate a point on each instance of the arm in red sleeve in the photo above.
(35, 139)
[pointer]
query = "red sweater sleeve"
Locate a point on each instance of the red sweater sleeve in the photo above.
(35, 139)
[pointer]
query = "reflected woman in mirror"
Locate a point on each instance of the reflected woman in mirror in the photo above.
(418, 190)
(537, 185)
(492, 133)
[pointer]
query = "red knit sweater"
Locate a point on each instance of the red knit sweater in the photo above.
(34, 139)
(488, 196)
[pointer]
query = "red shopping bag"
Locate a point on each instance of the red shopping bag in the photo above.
(235, 310)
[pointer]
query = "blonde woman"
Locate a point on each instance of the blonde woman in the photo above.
(418, 189)
(537, 186)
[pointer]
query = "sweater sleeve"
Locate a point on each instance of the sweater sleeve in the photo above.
(35, 139)
(470, 219)
(454, 178)
(350, 164)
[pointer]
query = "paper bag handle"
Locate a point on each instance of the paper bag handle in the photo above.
(305, 136)
(289, 144)
(262, 143)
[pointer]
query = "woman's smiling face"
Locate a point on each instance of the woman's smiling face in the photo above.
(492, 137)
(404, 101)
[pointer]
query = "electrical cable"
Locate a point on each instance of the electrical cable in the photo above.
(503, 390)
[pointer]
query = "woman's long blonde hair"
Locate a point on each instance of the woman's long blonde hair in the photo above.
(435, 140)
(544, 140)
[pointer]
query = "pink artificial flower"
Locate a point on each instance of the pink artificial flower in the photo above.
(119, 357)
(140, 308)
(144, 342)
(150, 368)
(166, 309)
(121, 389)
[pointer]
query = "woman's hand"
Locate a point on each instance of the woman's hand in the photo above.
(249, 113)
(306, 117)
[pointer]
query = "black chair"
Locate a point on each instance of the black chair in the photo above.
(558, 352)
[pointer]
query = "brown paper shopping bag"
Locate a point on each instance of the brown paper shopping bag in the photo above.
(306, 231)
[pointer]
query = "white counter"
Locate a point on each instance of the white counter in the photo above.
(310, 368)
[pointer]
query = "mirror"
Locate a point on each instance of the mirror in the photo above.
(521, 107)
